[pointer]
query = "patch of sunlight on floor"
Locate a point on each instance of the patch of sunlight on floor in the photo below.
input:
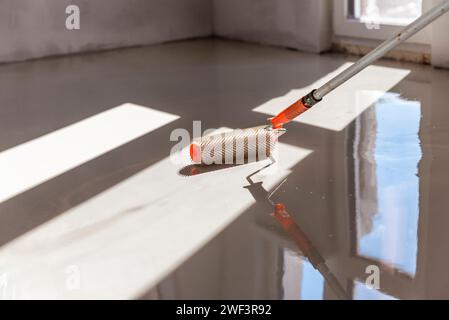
(34, 162)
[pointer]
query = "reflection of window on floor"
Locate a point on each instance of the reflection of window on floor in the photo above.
(362, 292)
(300, 279)
(387, 153)
(391, 12)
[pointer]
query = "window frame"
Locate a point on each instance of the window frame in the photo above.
(347, 27)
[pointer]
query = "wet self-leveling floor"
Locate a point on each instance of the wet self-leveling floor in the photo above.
(92, 205)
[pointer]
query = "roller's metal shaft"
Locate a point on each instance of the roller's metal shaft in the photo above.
(382, 49)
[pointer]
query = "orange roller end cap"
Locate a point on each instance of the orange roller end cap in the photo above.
(195, 153)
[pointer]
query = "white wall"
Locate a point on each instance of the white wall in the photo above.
(36, 28)
(300, 24)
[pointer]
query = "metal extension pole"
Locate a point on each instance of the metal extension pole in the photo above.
(382, 49)
(309, 100)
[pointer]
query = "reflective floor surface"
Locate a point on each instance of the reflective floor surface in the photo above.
(92, 205)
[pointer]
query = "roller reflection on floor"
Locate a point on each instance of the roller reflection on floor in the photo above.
(306, 247)
(296, 233)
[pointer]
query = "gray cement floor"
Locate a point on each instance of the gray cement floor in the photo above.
(92, 206)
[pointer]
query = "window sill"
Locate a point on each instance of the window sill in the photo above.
(407, 52)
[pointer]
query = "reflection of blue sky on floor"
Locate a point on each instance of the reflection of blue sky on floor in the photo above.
(300, 279)
(397, 153)
(312, 285)
(362, 292)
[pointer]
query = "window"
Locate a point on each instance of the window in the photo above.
(391, 12)
(378, 19)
